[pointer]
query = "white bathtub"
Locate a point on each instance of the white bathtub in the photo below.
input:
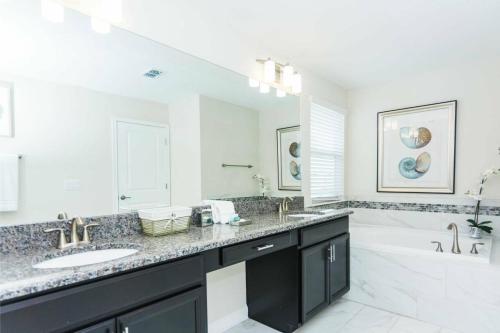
(417, 242)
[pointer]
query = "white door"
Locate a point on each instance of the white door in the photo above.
(143, 165)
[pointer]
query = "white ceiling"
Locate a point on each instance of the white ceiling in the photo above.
(350, 42)
(361, 42)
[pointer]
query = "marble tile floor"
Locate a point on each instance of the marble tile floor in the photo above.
(350, 317)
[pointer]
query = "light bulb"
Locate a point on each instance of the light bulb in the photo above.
(287, 76)
(111, 10)
(297, 83)
(269, 71)
(280, 93)
(52, 11)
(99, 25)
(253, 82)
(264, 88)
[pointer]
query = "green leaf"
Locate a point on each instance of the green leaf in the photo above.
(486, 229)
(485, 222)
(471, 221)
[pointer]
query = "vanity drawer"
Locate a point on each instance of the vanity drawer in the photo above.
(259, 247)
(75, 307)
(323, 231)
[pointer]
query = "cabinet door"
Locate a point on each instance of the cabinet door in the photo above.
(184, 313)
(339, 266)
(315, 279)
(104, 327)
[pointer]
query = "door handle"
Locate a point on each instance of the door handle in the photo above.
(331, 253)
(125, 330)
(124, 197)
(264, 247)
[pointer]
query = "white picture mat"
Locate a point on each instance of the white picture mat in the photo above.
(440, 120)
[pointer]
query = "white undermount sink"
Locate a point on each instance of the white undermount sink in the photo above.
(85, 258)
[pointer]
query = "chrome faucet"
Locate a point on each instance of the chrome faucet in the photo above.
(456, 248)
(284, 204)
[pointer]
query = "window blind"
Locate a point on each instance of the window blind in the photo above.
(327, 154)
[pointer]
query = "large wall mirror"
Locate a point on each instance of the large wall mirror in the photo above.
(103, 123)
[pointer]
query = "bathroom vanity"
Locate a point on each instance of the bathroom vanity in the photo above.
(294, 269)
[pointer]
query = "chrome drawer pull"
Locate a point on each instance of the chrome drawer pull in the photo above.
(264, 247)
(331, 253)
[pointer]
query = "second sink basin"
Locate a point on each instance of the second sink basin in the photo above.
(85, 258)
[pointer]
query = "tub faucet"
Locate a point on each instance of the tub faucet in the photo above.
(456, 248)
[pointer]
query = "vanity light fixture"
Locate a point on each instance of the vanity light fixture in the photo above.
(297, 83)
(253, 82)
(280, 93)
(52, 11)
(287, 75)
(99, 25)
(264, 88)
(269, 70)
(282, 77)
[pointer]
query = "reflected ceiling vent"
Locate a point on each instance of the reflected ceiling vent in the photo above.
(153, 73)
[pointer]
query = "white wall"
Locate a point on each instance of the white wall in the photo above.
(64, 133)
(270, 120)
(229, 134)
(476, 88)
(185, 152)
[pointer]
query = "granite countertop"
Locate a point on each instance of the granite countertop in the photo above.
(18, 277)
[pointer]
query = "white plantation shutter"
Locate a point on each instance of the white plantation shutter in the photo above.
(327, 154)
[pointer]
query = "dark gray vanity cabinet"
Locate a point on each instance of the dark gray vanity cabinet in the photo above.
(183, 313)
(324, 265)
(315, 279)
(173, 292)
(105, 327)
(339, 267)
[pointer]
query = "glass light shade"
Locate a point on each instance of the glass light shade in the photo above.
(264, 88)
(52, 11)
(269, 71)
(297, 83)
(253, 82)
(111, 10)
(99, 25)
(287, 76)
(280, 93)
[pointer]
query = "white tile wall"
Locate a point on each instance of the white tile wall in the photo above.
(460, 296)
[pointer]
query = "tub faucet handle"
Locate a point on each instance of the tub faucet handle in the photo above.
(439, 248)
(474, 248)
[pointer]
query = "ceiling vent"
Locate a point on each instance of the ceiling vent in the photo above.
(153, 73)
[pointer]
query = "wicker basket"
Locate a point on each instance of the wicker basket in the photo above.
(165, 221)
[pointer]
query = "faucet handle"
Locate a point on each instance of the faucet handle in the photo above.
(86, 238)
(439, 247)
(62, 216)
(474, 248)
(61, 242)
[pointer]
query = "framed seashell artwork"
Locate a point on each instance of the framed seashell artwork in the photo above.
(289, 158)
(416, 149)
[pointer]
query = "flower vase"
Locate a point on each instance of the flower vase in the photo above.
(475, 233)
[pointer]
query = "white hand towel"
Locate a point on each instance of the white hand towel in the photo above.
(9, 182)
(222, 211)
(225, 210)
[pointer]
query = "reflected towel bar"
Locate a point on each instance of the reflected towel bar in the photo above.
(224, 165)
